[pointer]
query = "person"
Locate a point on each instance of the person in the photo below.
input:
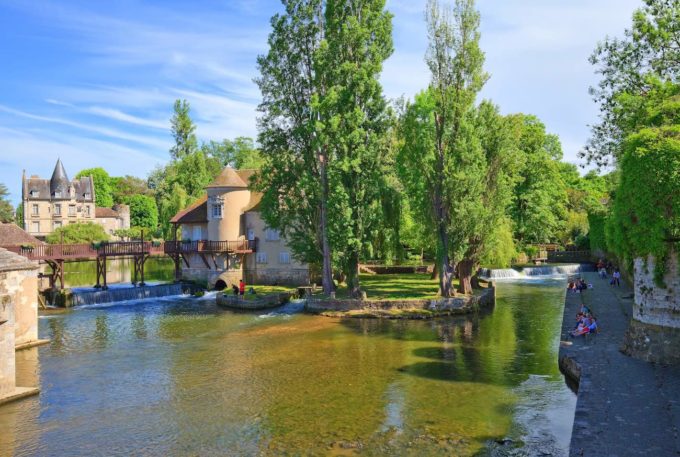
(616, 278)
(571, 287)
(602, 270)
(241, 287)
(235, 289)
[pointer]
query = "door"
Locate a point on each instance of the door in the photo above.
(198, 233)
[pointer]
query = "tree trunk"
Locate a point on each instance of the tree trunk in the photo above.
(435, 271)
(353, 285)
(326, 269)
(465, 276)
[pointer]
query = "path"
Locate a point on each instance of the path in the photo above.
(625, 407)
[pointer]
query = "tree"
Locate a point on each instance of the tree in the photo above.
(19, 215)
(540, 197)
(6, 210)
(440, 148)
(143, 211)
(239, 153)
(648, 52)
(85, 232)
(103, 189)
(293, 178)
(127, 186)
(183, 129)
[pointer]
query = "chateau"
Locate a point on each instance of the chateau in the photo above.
(55, 202)
(225, 239)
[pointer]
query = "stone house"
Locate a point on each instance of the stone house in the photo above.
(18, 318)
(55, 202)
(225, 238)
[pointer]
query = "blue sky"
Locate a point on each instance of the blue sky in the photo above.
(93, 82)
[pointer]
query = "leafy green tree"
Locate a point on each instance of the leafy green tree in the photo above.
(183, 129)
(629, 66)
(143, 211)
(19, 215)
(127, 186)
(6, 209)
(239, 153)
(103, 189)
(86, 232)
(540, 196)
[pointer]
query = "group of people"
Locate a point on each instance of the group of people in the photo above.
(578, 285)
(604, 269)
(585, 322)
(240, 289)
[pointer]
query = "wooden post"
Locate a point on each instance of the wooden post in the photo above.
(141, 261)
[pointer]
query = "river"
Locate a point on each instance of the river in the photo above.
(179, 376)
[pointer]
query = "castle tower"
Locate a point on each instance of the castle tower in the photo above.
(59, 183)
(228, 195)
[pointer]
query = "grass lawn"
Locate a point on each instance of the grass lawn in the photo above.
(261, 291)
(390, 287)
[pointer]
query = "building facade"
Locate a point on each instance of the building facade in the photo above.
(230, 241)
(53, 203)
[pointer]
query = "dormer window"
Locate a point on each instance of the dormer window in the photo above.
(217, 211)
(87, 196)
(34, 194)
(57, 194)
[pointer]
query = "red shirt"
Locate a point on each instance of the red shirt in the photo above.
(242, 286)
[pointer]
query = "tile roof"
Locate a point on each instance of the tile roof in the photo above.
(105, 212)
(10, 261)
(229, 178)
(13, 235)
(197, 212)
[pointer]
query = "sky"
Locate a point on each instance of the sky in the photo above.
(93, 83)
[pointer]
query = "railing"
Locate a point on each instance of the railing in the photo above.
(187, 247)
(569, 256)
(87, 251)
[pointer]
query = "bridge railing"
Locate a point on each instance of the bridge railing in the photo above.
(569, 256)
(188, 247)
(55, 251)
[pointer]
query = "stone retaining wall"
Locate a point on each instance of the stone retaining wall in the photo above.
(266, 301)
(462, 304)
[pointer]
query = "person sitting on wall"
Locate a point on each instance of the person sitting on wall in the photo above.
(241, 287)
(571, 287)
(234, 288)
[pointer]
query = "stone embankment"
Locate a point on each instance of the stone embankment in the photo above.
(404, 309)
(625, 406)
(227, 300)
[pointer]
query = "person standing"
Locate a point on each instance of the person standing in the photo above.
(616, 278)
(241, 287)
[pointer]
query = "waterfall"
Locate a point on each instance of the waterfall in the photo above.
(535, 272)
(127, 293)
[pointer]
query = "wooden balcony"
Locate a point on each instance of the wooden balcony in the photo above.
(210, 247)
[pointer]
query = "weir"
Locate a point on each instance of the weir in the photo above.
(547, 270)
(128, 293)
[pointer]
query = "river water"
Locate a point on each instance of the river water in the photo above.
(179, 376)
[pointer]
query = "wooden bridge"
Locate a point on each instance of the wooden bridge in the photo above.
(56, 254)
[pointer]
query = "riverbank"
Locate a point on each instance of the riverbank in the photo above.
(404, 308)
(625, 406)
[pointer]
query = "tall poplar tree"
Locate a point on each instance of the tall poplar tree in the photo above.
(183, 129)
(457, 75)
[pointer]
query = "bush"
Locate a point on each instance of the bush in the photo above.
(84, 232)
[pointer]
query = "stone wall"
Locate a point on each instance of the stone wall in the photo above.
(22, 287)
(654, 331)
(7, 367)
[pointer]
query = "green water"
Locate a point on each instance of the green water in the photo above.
(178, 376)
(84, 274)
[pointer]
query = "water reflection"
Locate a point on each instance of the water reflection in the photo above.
(181, 377)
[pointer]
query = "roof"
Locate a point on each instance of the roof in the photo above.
(254, 203)
(59, 181)
(197, 212)
(10, 261)
(230, 178)
(45, 188)
(13, 235)
(105, 212)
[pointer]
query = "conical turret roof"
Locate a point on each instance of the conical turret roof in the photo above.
(59, 181)
(228, 178)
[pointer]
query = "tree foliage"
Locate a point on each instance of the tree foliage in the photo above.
(239, 153)
(143, 211)
(103, 185)
(127, 186)
(6, 209)
(183, 131)
(85, 232)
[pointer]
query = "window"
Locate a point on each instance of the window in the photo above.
(87, 196)
(198, 233)
(34, 193)
(57, 209)
(35, 211)
(284, 257)
(217, 211)
(35, 227)
(261, 257)
(57, 194)
(57, 224)
(87, 210)
(271, 235)
(251, 234)
(72, 210)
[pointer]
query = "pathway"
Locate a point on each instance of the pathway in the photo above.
(625, 407)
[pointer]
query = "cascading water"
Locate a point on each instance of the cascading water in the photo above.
(128, 293)
(535, 272)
